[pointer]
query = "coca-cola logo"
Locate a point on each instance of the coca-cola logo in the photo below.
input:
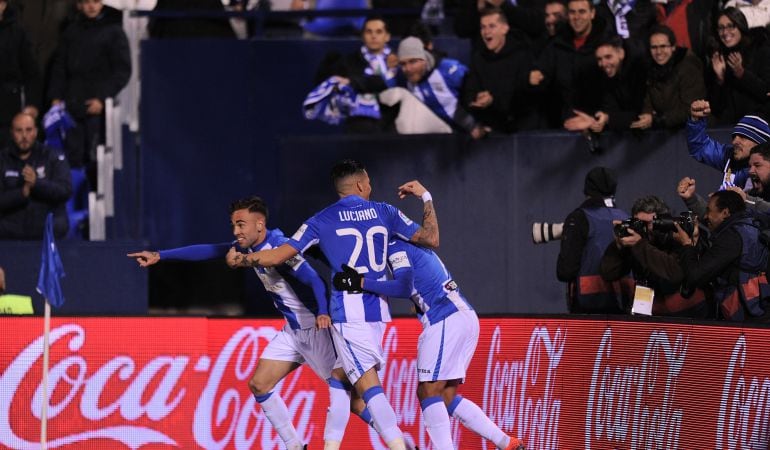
(519, 395)
(152, 392)
(634, 406)
(744, 407)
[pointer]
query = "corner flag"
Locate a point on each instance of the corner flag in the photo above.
(51, 268)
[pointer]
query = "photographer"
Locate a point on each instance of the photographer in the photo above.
(733, 264)
(587, 232)
(646, 248)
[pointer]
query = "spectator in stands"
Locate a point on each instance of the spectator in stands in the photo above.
(734, 263)
(623, 87)
(675, 80)
(19, 73)
(331, 26)
(757, 12)
(92, 63)
(555, 16)
(757, 193)
(691, 21)
(731, 159)
(523, 15)
(497, 90)
(35, 181)
(629, 19)
(653, 258)
(739, 76)
(567, 67)
(588, 230)
(428, 93)
(368, 71)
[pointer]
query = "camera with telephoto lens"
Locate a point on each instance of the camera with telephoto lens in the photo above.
(543, 232)
(638, 225)
(665, 224)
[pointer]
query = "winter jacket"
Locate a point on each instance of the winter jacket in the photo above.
(92, 61)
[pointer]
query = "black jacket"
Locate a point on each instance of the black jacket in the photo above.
(573, 74)
(19, 74)
(623, 94)
(737, 97)
(92, 61)
(24, 217)
(506, 76)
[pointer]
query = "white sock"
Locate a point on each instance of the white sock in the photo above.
(436, 419)
(474, 419)
(278, 414)
(338, 413)
(383, 415)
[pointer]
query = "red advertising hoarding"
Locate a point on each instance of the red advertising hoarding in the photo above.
(155, 383)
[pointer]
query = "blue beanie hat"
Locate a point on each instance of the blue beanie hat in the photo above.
(754, 128)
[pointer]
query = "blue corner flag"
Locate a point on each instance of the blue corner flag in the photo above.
(51, 268)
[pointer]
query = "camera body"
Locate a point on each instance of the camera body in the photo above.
(638, 225)
(665, 224)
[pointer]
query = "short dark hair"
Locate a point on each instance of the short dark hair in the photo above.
(346, 168)
(612, 41)
(650, 204)
(253, 204)
(730, 200)
(492, 10)
(375, 17)
(664, 30)
(763, 149)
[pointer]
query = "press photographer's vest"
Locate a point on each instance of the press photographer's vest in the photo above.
(737, 301)
(673, 304)
(591, 292)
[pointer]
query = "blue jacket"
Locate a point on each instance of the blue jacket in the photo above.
(712, 153)
(440, 90)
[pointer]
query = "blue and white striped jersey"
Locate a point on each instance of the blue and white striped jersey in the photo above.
(287, 284)
(420, 274)
(356, 232)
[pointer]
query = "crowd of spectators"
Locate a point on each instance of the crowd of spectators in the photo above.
(586, 66)
(70, 73)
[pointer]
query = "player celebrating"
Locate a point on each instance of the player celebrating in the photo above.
(355, 231)
(304, 338)
(446, 344)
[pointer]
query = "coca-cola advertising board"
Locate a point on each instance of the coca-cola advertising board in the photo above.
(159, 383)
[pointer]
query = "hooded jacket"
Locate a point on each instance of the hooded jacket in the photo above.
(92, 61)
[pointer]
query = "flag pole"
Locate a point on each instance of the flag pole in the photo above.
(44, 397)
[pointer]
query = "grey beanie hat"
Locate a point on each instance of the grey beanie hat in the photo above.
(412, 48)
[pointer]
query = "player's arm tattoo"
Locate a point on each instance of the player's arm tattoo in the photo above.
(242, 260)
(427, 235)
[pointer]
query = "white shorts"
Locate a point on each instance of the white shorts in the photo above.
(310, 345)
(359, 347)
(445, 349)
